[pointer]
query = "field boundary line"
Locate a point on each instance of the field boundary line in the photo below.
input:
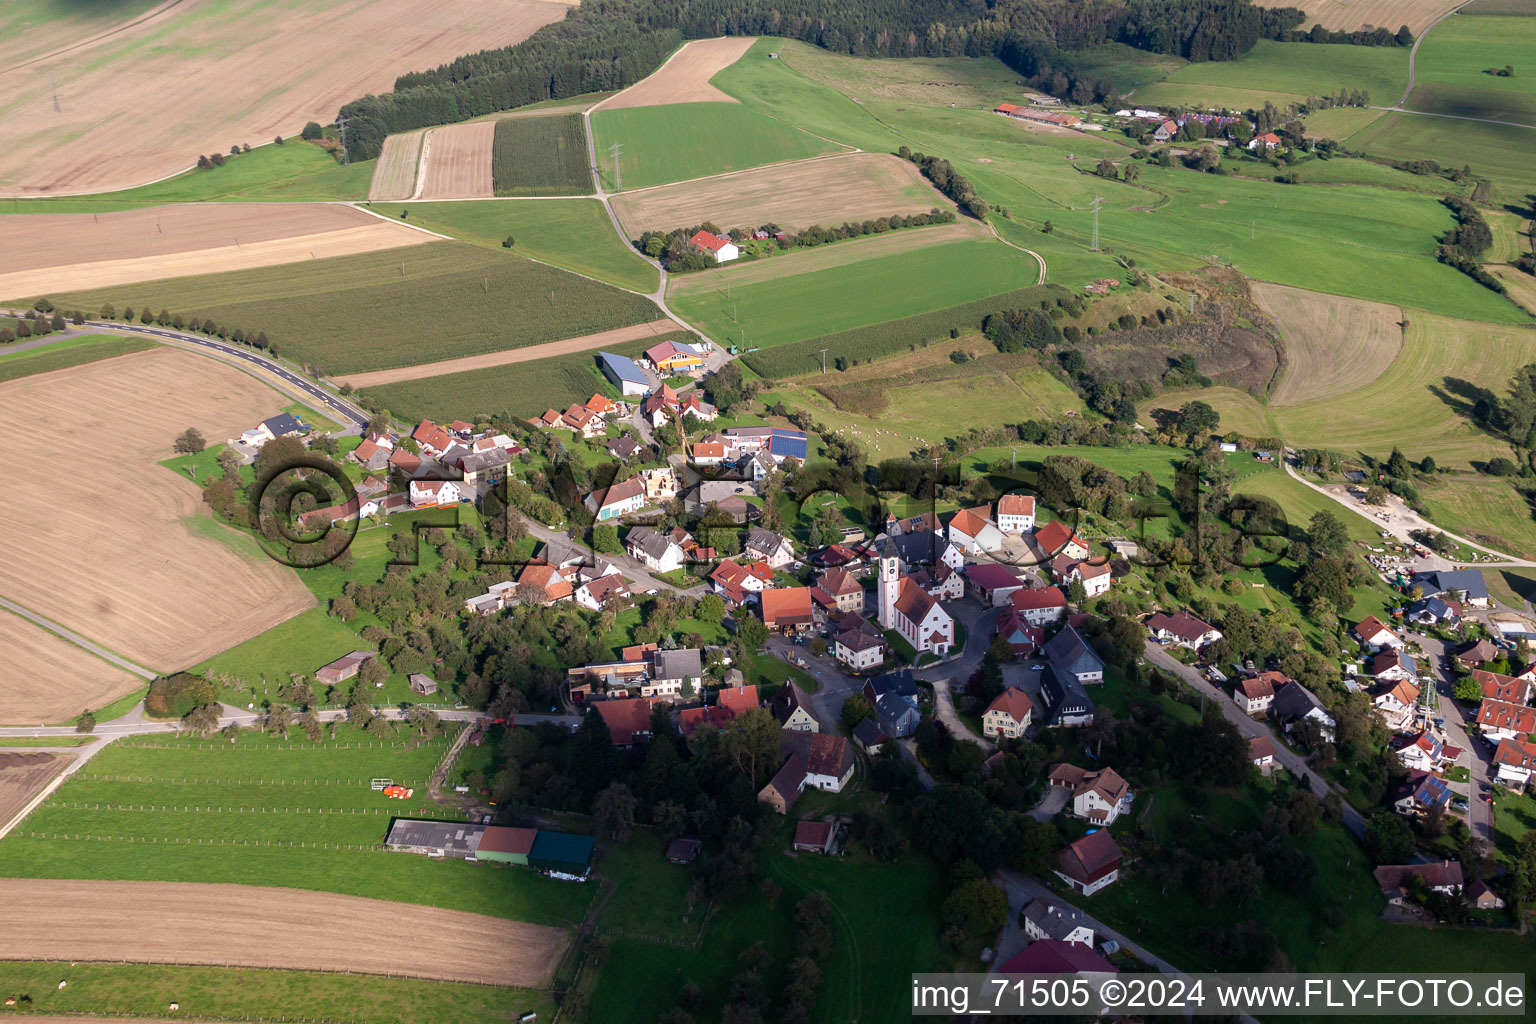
(1413, 54)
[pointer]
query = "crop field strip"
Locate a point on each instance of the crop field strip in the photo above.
(457, 164)
(374, 311)
(71, 251)
(684, 78)
(394, 175)
(1332, 345)
(23, 774)
(1351, 15)
(61, 355)
(141, 104)
(286, 812)
(541, 156)
(49, 679)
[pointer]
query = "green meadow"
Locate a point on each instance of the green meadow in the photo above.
(1494, 151)
(691, 140)
(1282, 73)
(1451, 71)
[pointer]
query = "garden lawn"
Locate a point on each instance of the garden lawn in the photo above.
(220, 993)
(296, 171)
(1284, 72)
(801, 306)
(379, 310)
(304, 809)
(692, 140)
(67, 352)
(1512, 818)
(572, 234)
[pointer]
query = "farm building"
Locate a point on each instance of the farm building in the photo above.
(624, 373)
(722, 249)
(342, 668)
(422, 683)
(562, 854)
(506, 844)
(434, 838)
(675, 357)
(1040, 116)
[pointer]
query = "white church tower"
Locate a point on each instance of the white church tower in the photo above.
(890, 585)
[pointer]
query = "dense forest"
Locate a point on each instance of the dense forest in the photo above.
(609, 44)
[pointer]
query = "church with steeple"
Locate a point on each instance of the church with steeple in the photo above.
(903, 605)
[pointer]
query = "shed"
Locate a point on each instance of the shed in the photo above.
(562, 853)
(683, 849)
(434, 838)
(814, 836)
(423, 684)
(506, 844)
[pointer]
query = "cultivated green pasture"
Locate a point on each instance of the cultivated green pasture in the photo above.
(1340, 122)
(872, 291)
(691, 140)
(267, 811)
(67, 352)
(1284, 72)
(1449, 73)
(1498, 152)
(574, 234)
(396, 308)
(296, 171)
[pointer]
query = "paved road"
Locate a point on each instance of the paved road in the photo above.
(77, 639)
(628, 567)
(1251, 727)
(1457, 734)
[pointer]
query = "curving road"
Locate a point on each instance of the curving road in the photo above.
(1413, 55)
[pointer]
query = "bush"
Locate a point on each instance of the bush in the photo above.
(1500, 467)
(178, 695)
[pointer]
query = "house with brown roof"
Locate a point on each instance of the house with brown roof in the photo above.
(784, 788)
(372, 454)
(1515, 762)
(1095, 575)
(788, 609)
(343, 668)
(584, 421)
(548, 579)
(434, 493)
(840, 591)
(1016, 513)
(1181, 629)
(594, 594)
(1040, 606)
(1262, 754)
(993, 583)
(1100, 796)
(1480, 896)
(859, 645)
(1090, 863)
(617, 500)
(736, 582)
(827, 757)
(814, 837)
(1395, 703)
(1444, 877)
(628, 719)
(1501, 720)
(1376, 635)
(791, 707)
(1255, 695)
(1008, 714)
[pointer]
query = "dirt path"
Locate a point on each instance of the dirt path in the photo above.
(257, 926)
(516, 355)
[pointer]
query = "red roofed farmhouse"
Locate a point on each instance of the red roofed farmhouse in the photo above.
(722, 249)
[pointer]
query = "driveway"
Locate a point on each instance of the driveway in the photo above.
(944, 711)
(1055, 801)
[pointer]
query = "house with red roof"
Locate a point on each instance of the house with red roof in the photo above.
(628, 719)
(737, 582)
(1016, 513)
(972, 530)
(1255, 695)
(1023, 638)
(722, 249)
(1268, 142)
(1377, 635)
(1501, 720)
(1039, 606)
(434, 493)
(1510, 689)
(1090, 863)
(992, 583)
(1008, 715)
(433, 439)
(1055, 538)
(1053, 956)
(1515, 762)
(674, 357)
(910, 610)
(1181, 629)
(788, 609)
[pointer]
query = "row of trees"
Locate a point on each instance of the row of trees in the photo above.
(949, 181)
(673, 247)
(1463, 246)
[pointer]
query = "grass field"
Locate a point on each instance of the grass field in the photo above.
(1340, 122)
(1449, 72)
(267, 811)
(872, 291)
(1420, 404)
(1284, 72)
(574, 234)
(562, 380)
(357, 313)
(691, 140)
(1520, 285)
(294, 171)
(217, 993)
(1332, 345)
(1494, 151)
(265, 663)
(541, 156)
(67, 352)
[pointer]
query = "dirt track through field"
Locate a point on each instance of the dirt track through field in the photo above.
(1333, 345)
(685, 77)
(140, 104)
(114, 546)
(56, 252)
(23, 774)
(256, 926)
(517, 355)
(48, 679)
(458, 162)
(394, 176)
(825, 191)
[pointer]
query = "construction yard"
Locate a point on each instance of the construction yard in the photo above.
(55, 252)
(121, 551)
(254, 926)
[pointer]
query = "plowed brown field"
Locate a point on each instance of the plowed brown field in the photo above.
(23, 774)
(56, 252)
(107, 544)
(458, 162)
(141, 103)
(48, 679)
(256, 926)
(684, 78)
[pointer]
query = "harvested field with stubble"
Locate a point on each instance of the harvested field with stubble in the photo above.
(108, 553)
(603, 339)
(55, 252)
(253, 926)
(457, 164)
(684, 78)
(1333, 345)
(1350, 15)
(394, 176)
(48, 679)
(22, 774)
(825, 191)
(142, 103)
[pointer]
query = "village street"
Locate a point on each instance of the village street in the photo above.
(1437, 667)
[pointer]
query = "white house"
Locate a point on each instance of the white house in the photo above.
(1396, 703)
(1099, 797)
(1516, 761)
(1393, 666)
(432, 493)
(1045, 919)
(594, 594)
(618, 500)
(1095, 577)
(1257, 694)
(1016, 513)
(656, 552)
(860, 648)
(766, 546)
(722, 249)
(1040, 606)
(1376, 635)
(1181, 629)
(973, 532)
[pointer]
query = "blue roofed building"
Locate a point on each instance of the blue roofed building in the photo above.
(1465, 585)
(562, 854)
(625, 373)
(787, 444)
